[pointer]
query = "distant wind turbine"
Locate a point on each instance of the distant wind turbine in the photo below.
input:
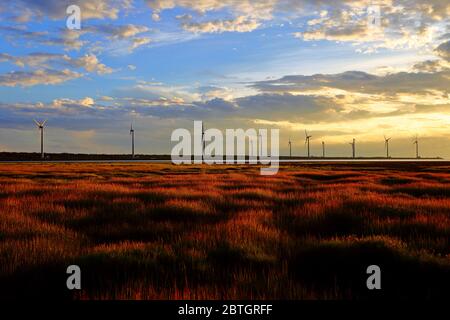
(260, 145)
(386, 145)
(203, 142)
(353, 144)
(323, 149)
(290, 148)
(41, 126)
(307, 137)
(416, 142)
(132, 140)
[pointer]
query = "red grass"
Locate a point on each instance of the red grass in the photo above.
(154, 231)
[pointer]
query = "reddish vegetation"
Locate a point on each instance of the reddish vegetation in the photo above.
(155, 231)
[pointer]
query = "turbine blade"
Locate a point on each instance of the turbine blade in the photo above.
(43, 123)
(37, 123)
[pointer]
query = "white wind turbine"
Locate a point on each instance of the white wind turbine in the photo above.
(323, 149)
(41, 126)
(416, 142)
(290, 147)
(353, 144)
(132, 140)
(307, 137)
(386, 145)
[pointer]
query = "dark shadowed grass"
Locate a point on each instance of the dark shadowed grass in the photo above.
(405, 275)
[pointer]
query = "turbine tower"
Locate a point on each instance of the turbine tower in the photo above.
(290, 148)
(416, 142)
(41, 126)
(307, 137)
(132, 141)
(260, 145)
(203, 142)
(353, 144)
(386, 145)
(323, 149)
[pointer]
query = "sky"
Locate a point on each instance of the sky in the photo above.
(340, 69)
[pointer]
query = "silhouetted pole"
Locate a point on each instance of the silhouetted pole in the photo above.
(353, 144)
(42, 142)
(308, 148)
(387, 149)
(290, 148)
(417, 149)
(354, 148)
(132, 141)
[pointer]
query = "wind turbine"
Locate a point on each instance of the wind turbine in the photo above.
(353, 144)
(41, 126)
(203, 142)
(323, 149)
(132, 140)
(386, 145)
(307, 137)
(290, 148)
(416, 142)
(260, 145)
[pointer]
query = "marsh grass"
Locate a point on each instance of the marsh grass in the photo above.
(156, 231)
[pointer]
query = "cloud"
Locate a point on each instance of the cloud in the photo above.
(86, 102)
(137, 42)
(247, 15)
(34, 60)
(240, 24)
(211, 92)
(69, 39)
(117, 31)
(156, 16)
(148, 94)
(443, 50)
(324, 98)
(89, 62)
(56, 9)
(431, 66)
(106, 98)
(288, 107)
(401, 24)
(261, 9)
(402, 82)
(43, 76)
(122, 39)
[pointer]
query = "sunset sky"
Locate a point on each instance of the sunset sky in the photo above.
(325, 66)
